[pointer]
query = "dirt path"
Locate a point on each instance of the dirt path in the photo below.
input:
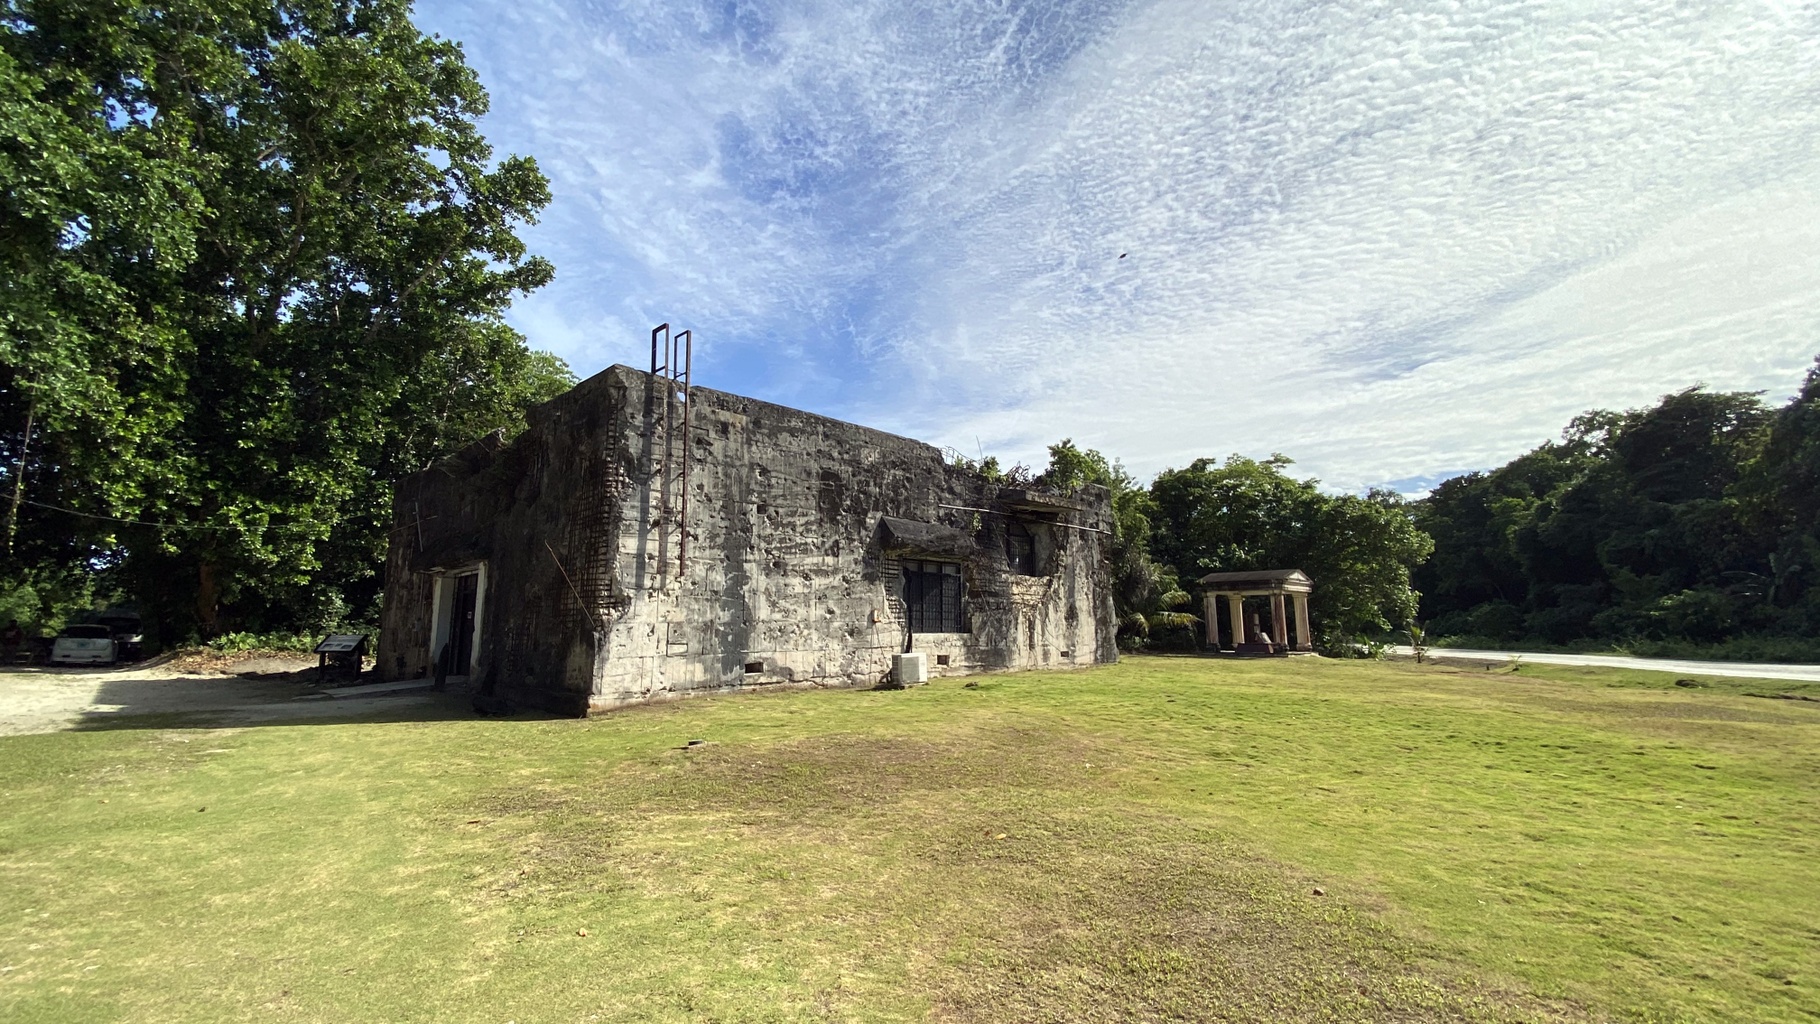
(34, 700)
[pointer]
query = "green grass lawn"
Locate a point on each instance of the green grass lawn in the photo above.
(1138, 843)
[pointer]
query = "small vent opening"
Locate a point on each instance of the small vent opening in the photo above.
(754, 667)
(942, 659)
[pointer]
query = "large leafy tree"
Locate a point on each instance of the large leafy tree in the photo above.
(1779, 504)
(1690, 521)
(253, 257)
(1477, 575)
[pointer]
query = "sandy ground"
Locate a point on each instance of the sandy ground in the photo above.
(273, 690)
(1732, 669)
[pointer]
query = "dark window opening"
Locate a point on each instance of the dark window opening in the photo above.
(932, 596)
(942, 660)
(754, 667)
(1020, 549)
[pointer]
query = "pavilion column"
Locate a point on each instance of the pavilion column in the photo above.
(1211, 610)
(1279, 621)
(1235, 608)
(1304, 637)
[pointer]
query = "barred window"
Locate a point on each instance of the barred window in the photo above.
(932, 596)
(1020, 549)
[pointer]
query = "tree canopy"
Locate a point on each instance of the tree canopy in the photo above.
(1249, 514)
(1692, 521)
(253, 261)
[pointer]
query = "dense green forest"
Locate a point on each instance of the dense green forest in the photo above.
(253, 260)
(1692, 526)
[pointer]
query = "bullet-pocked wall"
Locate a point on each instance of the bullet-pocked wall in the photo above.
(809, 552)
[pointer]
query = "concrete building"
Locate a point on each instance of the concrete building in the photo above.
(610, 554)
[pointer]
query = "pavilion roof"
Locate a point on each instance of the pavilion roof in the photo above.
(1262, 580)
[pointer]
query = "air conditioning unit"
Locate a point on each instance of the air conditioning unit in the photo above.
(910, 669)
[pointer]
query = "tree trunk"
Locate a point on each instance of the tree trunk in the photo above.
(12, 515)
(207, 599)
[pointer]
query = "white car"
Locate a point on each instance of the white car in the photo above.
(84, 645)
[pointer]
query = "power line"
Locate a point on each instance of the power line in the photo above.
(161, 526)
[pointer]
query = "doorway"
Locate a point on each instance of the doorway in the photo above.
(457, 609)
(461, 623)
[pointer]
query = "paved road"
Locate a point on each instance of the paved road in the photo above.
(1735, 669)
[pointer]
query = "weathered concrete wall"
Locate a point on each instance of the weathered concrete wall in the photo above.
(542, 514)
(787, 578)
(437, 521)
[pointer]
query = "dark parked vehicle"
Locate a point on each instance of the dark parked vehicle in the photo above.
(128, 633)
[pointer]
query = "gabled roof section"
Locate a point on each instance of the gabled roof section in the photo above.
(1287, 581)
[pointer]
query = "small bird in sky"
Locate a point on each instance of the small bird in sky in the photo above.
(1123, 255)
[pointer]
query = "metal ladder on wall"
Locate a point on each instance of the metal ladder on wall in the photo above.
(672, 357)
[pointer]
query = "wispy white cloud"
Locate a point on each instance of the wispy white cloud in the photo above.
(1389, 240)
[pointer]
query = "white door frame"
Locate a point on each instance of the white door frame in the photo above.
(441, 604)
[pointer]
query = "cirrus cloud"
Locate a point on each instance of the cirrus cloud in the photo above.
(1389, 240)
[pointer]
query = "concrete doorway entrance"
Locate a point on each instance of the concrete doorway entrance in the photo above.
(458, 607)
(461, 623)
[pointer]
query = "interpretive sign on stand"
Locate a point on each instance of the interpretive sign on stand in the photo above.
(341, 652)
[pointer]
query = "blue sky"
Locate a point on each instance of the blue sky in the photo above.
(1391, 240)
